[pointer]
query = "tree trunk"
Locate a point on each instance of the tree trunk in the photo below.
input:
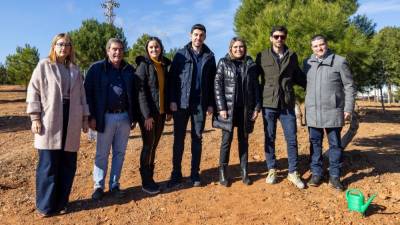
(390, 93)
(382, 102)
(299, 114)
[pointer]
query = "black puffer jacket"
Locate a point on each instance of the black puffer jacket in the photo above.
(148, 87)
(225, 85)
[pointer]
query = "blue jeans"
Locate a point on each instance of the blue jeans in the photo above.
(288, 121)
(181, 118)
(116, 134)
(54, 177)
(335, 150)
(55, 173)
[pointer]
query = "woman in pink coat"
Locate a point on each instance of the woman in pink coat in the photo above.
(58, 110)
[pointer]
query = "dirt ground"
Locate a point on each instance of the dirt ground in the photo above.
(371, 163)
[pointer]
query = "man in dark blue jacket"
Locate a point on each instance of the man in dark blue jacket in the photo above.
(192, 95)
(111, 95)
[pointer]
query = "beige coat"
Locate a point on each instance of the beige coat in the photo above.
(45, 97)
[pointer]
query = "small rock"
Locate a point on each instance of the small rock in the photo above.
(256, 157)
(393, 183)
(377, 181)
(383, 196)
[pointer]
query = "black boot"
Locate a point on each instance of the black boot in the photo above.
(245, 176)
(223, 179)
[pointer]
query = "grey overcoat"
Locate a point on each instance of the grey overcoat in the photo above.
(330, 91)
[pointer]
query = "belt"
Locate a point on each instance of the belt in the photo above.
(116, 111)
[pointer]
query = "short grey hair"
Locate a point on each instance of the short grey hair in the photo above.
(114, 40)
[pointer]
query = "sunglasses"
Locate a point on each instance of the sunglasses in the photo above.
(276, 37)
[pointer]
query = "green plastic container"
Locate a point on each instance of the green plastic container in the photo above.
(355, 201)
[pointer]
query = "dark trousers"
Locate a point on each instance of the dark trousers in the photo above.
(150, 140)
(335, 150)
(181, 117)
(55, 174)
(287, 118)
(227, 136)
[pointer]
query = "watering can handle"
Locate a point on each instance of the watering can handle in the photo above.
(353, 191)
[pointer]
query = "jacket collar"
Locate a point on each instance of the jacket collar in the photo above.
(247, 59)
(205, 50)
(108, 65)
(327, 60)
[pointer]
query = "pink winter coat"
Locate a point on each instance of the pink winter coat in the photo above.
(44, 97)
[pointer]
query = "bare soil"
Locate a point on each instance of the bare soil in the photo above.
(371, 163)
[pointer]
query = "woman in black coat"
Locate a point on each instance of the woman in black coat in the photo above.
(238, 103)
(152, 77)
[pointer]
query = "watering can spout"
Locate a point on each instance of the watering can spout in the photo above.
(365, 205)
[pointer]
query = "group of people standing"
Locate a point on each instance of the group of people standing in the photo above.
(114, 96)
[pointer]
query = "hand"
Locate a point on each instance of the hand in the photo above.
(223, 114)
(85, 125)
(148, 123)
(210, 110)
(92, 124)
(173, 107)
(36, 126)
(255, 115)
(347, 115)
(168, 117)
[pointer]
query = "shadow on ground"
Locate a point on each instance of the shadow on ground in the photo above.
(14, 123)
(383, 156)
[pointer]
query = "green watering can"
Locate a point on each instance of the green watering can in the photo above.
(355, 200)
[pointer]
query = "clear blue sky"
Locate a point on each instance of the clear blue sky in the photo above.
(36, 22)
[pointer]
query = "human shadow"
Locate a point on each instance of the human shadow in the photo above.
(382, 157)
(14, 123)
(131, 194)
(257, 170)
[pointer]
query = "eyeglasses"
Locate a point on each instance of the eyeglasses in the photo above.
(61, 44)
(276, 37)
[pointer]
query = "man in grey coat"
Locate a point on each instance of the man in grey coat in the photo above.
(329, 101)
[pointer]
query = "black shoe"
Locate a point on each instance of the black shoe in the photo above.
(223, 179)
(117, 193)
(98, 194)
(151, 188)
(315, 181)
(174, 181)
(334, 182)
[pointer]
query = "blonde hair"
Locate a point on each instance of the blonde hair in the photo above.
(70, 59)
(233, 40)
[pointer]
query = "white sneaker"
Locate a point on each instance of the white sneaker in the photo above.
(295, 179)
(271, 178)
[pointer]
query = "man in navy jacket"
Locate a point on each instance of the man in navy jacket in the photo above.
(192, 96)
(112, 101)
